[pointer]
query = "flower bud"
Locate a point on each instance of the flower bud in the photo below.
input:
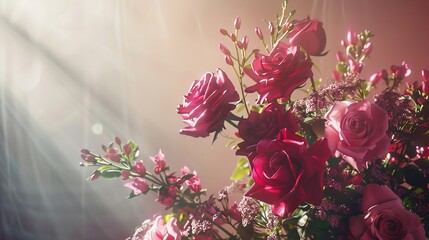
(271, 28)
(125, 174)
(233, 37)
(340, 57)
(118, 140)
(223, 32)
(90, 158)
(357, 179)
(336, 75)
(240, 45)
(224, 50)
(85, 151)
(237, 23)
(228, 60)
(375, 78)
(94, 176)
(352, 38)
(367, 48)
(425, 83)
(259, 33)
(127, 149)
(245, 42)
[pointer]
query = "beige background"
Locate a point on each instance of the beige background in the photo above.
(69, 67)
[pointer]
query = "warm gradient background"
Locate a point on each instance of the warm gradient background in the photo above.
(68, 68)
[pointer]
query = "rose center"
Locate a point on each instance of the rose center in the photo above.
(356, 124)
(278, 58)
(389, 227)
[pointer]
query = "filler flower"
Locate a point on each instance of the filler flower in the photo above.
(384, 217)
(309, 34)
(207, 104)
(286, 173)
(280, 73)
(358, 132)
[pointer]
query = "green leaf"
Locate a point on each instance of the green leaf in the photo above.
(106, 167)
(241, 169)
(113, 173)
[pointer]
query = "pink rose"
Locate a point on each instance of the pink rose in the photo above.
(286, 172)
(310, 35)
(384, 217)
(358, 132)
(263, 125)
(161, 231)
(280, 73)
(207, 104)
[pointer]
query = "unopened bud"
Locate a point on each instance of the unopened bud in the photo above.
(259, 33)
(94, 176)
(240, 45)
(104, 148)
(245, 42)
(224, 50)
(127, 149)
(340, 57)
(233, 37)
(85, 151)
(352, 38)
(125, 174)
(343, 43)
(367, 48)
(271, 27)
(357, 179)
(118, 140)
(237, 23)
(223, 32)
(90, 158)
(228, 60)
(375, 78)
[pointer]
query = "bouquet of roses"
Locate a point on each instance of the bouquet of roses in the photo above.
(335, 164)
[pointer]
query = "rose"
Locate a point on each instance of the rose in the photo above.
(286, 172)
(280, 73)
(207, 104)
(310, 35)
(263, 125)
(161, 231)
(357, 131)
(384, 217)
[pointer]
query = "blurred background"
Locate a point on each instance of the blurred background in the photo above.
(76, 74)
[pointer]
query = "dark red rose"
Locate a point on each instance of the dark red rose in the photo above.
(207, 104)
(310, 35)
(286, 172)
(280, 73)
(263, 125)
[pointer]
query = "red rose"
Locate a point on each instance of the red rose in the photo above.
(207, 104)
(286, 172)
(384, 217)
(310, 35)
(280, 73)
(263, 125)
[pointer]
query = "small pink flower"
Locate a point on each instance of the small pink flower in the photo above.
(161, 231)
(375, 78)
(112, 154)
(384, 217)
(194, 182)
(139, 168)
(138, 185)
(358, 132)
(159, 160)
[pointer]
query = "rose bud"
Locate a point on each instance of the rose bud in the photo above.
(352, 38)
(237, 23)
(224, 50)
(259, 33)
(375, 78)
(310, 35)
(223, 32)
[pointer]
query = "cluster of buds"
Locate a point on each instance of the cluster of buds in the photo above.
(396, 75)
(120, 160)
(350, 63)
